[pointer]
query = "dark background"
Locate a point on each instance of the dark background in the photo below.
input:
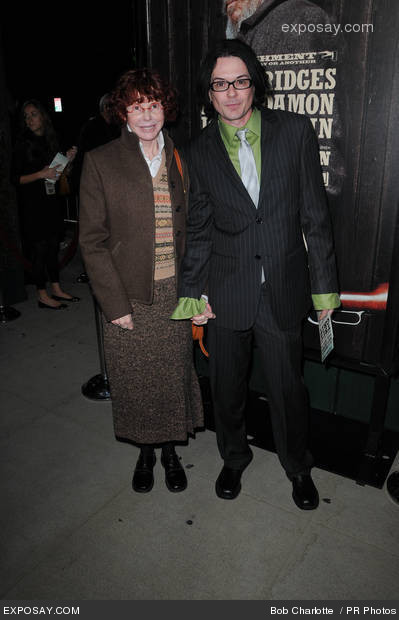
(74, 50)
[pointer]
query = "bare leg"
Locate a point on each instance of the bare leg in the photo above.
(57, 290)
(45, 298)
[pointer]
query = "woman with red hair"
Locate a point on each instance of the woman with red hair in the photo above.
(132, 235)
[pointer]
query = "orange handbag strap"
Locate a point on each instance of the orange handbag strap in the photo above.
(178, 162)
(198, 334)
(197, 330)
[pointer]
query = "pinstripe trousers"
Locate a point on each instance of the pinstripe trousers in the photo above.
(281, 371)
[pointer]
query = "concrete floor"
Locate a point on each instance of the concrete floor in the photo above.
(72, 528)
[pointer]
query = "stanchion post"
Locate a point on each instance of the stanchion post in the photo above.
(97, 388)
(7, 313)
(393, 486)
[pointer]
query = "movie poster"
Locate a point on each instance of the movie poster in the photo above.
(318, 63)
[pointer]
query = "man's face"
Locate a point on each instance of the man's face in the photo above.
(234, 106)
(237, 11)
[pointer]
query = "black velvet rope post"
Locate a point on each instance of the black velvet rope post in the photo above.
(97, 388)
(7, 313)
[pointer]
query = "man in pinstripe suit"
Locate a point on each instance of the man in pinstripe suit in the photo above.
(249, 254)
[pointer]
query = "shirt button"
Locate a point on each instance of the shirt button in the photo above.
(259, 220)
(178, 208)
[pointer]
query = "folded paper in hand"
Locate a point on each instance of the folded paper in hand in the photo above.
(59, 162)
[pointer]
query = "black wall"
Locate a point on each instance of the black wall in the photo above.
(173, 36)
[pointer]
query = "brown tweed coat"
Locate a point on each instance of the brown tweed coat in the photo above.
(118, 247)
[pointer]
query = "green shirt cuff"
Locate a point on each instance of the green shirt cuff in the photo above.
(326, 301)
(187, 307)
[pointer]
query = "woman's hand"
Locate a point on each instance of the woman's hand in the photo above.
(124, 322)
(44, 173)
(71, 153)
(49, 173)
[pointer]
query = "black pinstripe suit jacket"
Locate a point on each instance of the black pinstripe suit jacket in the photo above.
(229, 239)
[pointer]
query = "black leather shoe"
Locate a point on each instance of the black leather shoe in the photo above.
(41, 304)
(67, 299)
(143, 477)
(228, 484)
(175, 476)
(304, 492)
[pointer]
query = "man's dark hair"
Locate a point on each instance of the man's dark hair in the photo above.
(223, 49)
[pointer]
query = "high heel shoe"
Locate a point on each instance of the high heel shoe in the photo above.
(67, 299)
(41, 304)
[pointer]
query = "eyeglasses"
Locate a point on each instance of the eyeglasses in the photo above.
(137, 108)
(239, 84)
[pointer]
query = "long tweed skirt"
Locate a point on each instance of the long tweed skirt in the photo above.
(154, 387)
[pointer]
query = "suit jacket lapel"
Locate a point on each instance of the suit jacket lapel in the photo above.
(219, 155)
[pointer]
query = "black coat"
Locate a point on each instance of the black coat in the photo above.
(41, 215)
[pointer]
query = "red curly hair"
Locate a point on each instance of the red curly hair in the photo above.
(135, 86)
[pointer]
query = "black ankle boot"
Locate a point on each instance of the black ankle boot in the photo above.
(143, 477)
(175, 476)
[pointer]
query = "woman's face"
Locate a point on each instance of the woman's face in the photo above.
(146, 119)
(34, 119)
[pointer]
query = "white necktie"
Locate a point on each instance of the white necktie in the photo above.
(249, 174)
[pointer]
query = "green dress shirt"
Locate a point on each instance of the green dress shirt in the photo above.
(232, 141)
(188, 306)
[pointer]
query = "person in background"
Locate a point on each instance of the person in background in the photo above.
(132, 237)
(237, 12)
(98, 130)
(256, 191)
(39, 203)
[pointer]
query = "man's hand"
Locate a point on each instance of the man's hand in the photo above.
(124, 322)
(202, 319)
(321, 314)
